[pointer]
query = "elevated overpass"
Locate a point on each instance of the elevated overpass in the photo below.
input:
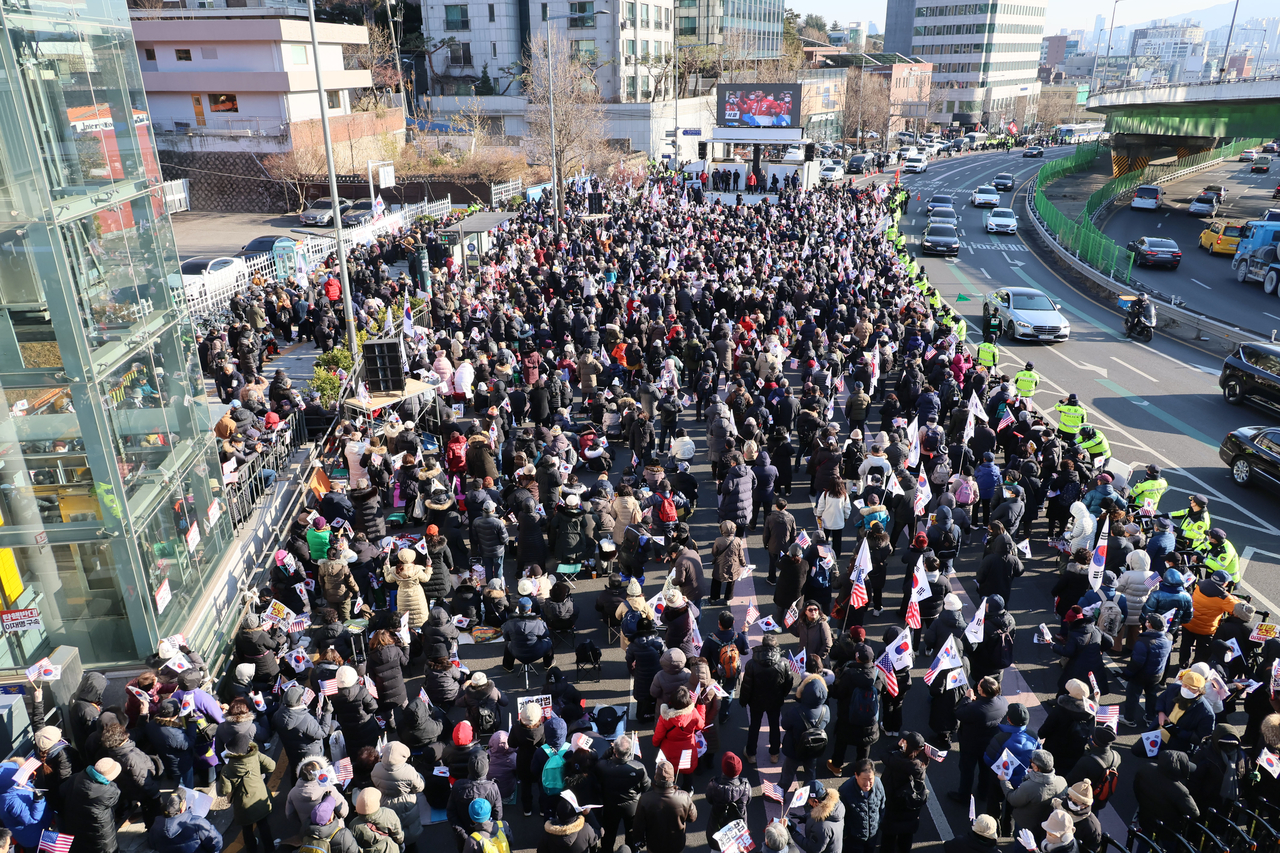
(1149, 122)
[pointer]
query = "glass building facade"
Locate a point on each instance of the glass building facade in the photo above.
(111, 524)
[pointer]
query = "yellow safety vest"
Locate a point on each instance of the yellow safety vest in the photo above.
(1070, 418)
(988, 354)
(1153, 489)
(1098, 447)
(1194, 531)
(1026, 382)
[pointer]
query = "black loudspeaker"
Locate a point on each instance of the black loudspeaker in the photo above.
(702, 150)
(595, 203)
(810, 151)
(383, 366)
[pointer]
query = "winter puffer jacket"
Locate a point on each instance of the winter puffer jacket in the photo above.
(409, 578)
(675, 731)
(1161, 789)
(1081, 533)
(399, 785)
(681, 622)
(184, 833)
(1132, 584)
(736, 495)
(368, 520)
(386, 665)
(644, 659)
(671, 678)
(1066, 732)
(354, 709)
(336, 582)
(809, 711)
(571, 534)
(728, 798)
(92, 821)
(490, 535)
(766, 679)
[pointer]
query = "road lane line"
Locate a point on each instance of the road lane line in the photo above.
(1134, 369)
(988, 275)
(1272, 316)
(1202, 284)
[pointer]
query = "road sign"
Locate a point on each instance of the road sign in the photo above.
(692, 131)
(386, 176)
(670, 133)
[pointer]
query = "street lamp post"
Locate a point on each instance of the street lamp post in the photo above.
(1110, 33)
(1226, 53)
(347, 307)
(551, 110)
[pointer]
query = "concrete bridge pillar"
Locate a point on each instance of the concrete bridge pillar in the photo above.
(1131, 152)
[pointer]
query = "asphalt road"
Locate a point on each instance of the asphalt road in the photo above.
(1207, 283)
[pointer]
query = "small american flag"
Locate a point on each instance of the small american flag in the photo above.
(1109, 716)
(930, 353)
(797, 664)
(423, 697)
(307, 695)
(1006, 420)
(885, 665)
(300, 623)
(25, 771)
(913, 615)
(771, 790)
(753, 613)
(56, 842)
(344, 771)
(329, 688)
(802, 539)
(370, 686)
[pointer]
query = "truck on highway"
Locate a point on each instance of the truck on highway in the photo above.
(1256, 257)
(1255, 234)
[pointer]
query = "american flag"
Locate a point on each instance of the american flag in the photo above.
(771, 790)
(793, 613)
(369, 685)
(55, 842)
(753, 613)
(930, 353)
(1109, 716)
(802, 539)
(344, 771)
(798, 663)
(329, 688)
(885, 665)
(861, 566)
(300, 623)
(307, 695)
(913, 613)
(24, 772)
(1006, 420)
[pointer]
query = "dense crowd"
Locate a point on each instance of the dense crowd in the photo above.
(796, 357)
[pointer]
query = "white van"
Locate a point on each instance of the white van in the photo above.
(1147, 197)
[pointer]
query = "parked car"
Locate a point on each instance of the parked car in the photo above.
(1024, 312)
(320, 212)
(1002, 220)
(1220, 238)
(1147, 197)
(940, 239)
(985, 196)
(258, 246)
(1253, 454)
(1251, 374)
(1247, 155)
(1261, 163)
(360, 213)
(939, 201)
(195, 270)
(1003, 182)
(943, 215)
(1155, 252)
(1033, 151)
(915, 165)
(834, 172)
(1205, 204)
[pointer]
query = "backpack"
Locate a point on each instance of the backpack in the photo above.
(730, 661)
(1003, 641)
(553, 770)
(864, 706)
(964, 491)
(487, 717)
(812, 741)
(455, 455)
(1110, 618)
(630, 621)
(913, 794)
(312, 844)
(1105, 788)
(666, 509)
(497, 844)
(941, 474)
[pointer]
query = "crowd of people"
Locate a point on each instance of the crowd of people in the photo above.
(629, 400)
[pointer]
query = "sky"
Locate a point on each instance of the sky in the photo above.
(1059, 14)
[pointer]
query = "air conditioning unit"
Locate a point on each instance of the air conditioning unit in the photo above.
(625, 23)
(629, 60)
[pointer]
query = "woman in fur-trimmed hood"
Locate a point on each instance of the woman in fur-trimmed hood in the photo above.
(567, 831)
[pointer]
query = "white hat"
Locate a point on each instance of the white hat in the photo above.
(346, 676)
(572, 500)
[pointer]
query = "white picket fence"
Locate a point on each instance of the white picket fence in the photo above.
(214, 291)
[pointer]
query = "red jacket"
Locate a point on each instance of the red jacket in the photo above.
(333, 289)
(675, 731)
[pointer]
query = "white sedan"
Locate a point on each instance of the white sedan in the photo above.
(1002, 220)
(195, 270)
(833, 172)
(985, 196)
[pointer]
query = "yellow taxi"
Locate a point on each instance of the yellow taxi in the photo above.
(1220, 238)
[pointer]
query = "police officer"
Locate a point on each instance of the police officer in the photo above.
(1151, 488)
(1093, 442)
(988, 354)
(1219, 553)
(1193, 522)
(1071, 416)
(1026, 380)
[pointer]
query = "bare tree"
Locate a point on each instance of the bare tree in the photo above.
(472, 121)
(295, 169)
(866, 100)
(378, 57)
(572, 137)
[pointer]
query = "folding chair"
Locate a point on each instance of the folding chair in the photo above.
(568, 572)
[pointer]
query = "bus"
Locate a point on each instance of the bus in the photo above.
(1087, 132)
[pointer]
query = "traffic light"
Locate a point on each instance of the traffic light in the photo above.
(702, 150)
(810, 151)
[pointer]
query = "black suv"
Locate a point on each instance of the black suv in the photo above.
(1252, 373)
(1003, 182)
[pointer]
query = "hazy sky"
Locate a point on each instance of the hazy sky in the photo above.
(1071, 14)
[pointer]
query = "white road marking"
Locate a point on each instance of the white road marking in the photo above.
(1158, 224)
(1134, 369)
(1202, 284)
(1203, 369)
(988, 275)
(970, 248)
(1272, 316)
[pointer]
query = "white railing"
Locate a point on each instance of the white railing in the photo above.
(501, 192)
(177, 195)
(214, 290)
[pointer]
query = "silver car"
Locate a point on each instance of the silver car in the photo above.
(943, 215)
(1205, 204)
(1025, 313)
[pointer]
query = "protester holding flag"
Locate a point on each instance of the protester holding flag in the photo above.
(1082, 646)
(1069, 724)
(813, 630)
(904, 783)
(857, 692)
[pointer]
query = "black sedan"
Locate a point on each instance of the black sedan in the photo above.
(1251, 374)
(940, 240)
(1033, 151)
(1253, 454)
(259, 245)
(1155, 251)
(1003, 182)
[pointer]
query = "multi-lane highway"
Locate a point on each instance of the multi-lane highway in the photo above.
(1156, 403)
(1207, 283)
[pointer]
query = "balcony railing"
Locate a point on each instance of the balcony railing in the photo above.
(229, 124)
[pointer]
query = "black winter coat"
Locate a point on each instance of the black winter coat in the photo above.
(766, 679)
(173, 745)
(92, 821)
(354, 709)
(899, 817)
(368, 506)
(386, 665)
(644, 659)
(300, 733)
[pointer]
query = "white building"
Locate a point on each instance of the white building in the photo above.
(985, 56)
(1170, 42)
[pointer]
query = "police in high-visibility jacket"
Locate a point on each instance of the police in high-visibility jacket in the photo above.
(1093, 442)
(1150, 489)
(988, 353)
(1071, 416)
(1219, 553)
(1193, 522)
(1026, 380)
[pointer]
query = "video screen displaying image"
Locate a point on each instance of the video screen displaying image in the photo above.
(751, 105)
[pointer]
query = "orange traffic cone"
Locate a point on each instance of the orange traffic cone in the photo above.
(917, 196)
